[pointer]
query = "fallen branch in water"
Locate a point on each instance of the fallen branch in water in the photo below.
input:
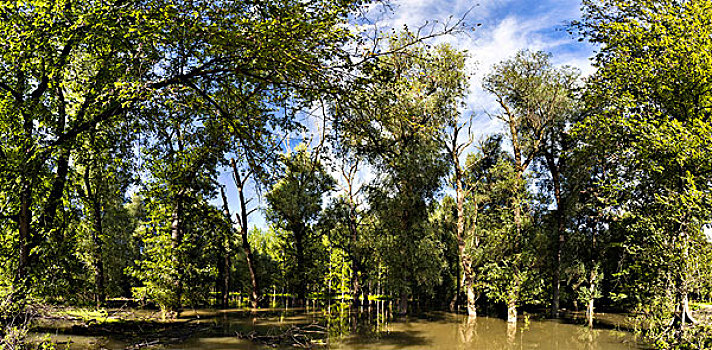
(305, 337)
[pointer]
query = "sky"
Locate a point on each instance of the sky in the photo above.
(506, 26)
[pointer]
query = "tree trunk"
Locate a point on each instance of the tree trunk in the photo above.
(560, 234)
(97, 233)
(458, 286)
(299, 236)
(176, 240)
(49, 214)
(225, 263)
(355, 260)
(254, 295)
(225, 288)
(98, 254)
(403, 305)
(471, 299)
(512, 310)
(589, 313)
(244, 227)
(686, 313)
(24, 219)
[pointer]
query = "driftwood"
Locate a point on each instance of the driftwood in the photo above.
(304, 337)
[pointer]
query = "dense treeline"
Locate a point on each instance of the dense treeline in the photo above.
(117, 119)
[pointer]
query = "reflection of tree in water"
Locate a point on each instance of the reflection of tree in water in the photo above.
(587, 337)
(468, 330)
(337, 321)
(511, 333)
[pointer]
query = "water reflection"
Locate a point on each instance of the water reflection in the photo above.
(375, 327)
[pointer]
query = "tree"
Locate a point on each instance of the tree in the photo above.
(295, 203)
(532, 95)
(651, 99)
(90, 63)
(106, 160)
(184, 155)
(396, 123)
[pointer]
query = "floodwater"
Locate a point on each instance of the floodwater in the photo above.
(218, 330)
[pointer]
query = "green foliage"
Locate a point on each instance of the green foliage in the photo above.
(648, 130)
(295, 202)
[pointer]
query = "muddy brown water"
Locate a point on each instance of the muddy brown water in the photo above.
(440, 330)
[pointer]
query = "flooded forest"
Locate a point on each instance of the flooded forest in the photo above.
(193, 174)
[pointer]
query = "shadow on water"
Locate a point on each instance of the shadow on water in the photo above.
(371, 327)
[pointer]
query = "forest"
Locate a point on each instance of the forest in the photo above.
(355, 171)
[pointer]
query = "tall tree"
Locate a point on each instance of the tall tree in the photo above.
(295, 202)
(106, 159)
(652, 96)
(397, 124)
(67, 66)
(532, 95)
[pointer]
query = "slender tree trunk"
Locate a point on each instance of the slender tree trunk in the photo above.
(685, 312)
(98, 253)
(461, 245)
(244, 227)
(226, 281)
(176, 241)
(355, 261)
(403, 305)
(254, 296)
(93, 196)
(471, 299)
(225, 263)
(299, 236)
(512, 301)
(560, 234)
(512, 310)
(24, 219)
(589, 312)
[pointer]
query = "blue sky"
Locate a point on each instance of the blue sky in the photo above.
(507, 26)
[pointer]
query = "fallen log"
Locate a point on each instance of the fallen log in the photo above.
(304, 337)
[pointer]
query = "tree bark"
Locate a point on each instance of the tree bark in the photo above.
(49, 214)
(512, 310)
(471, 299)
